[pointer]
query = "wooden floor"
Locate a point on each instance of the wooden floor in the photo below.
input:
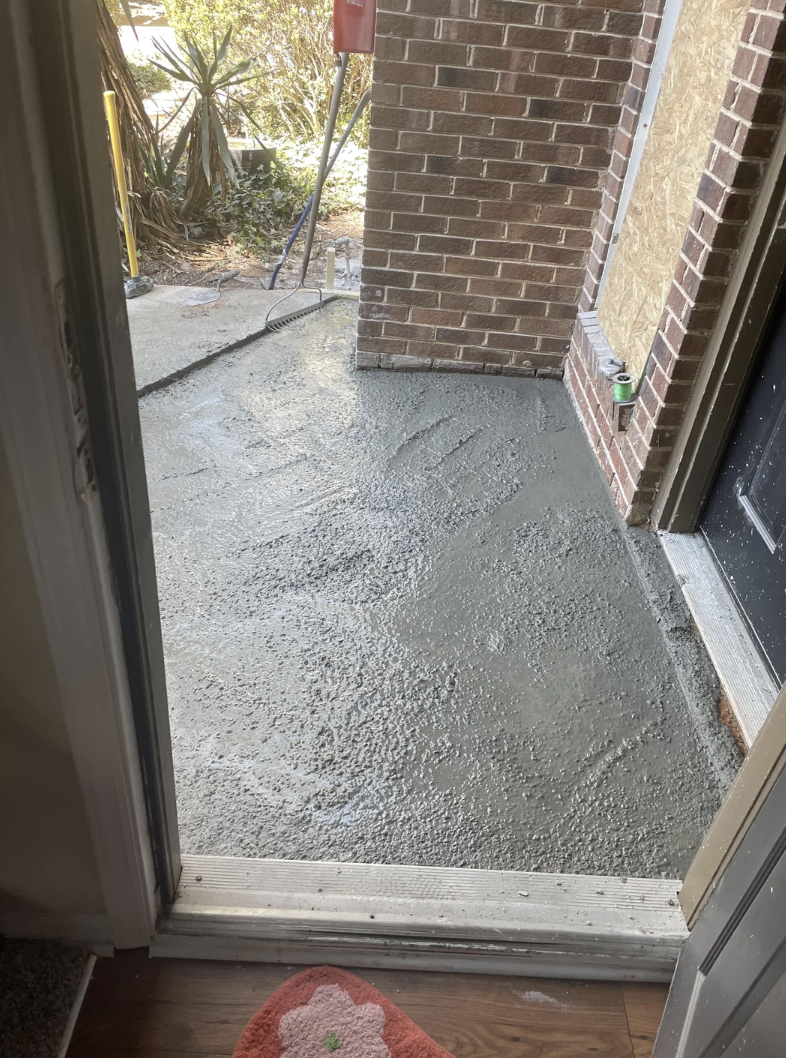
(166, 1008)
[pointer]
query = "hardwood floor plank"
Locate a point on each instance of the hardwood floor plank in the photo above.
(481, 1017)
(157, 1008)
(644, 1006)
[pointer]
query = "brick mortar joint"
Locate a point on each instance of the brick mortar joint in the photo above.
(716, 148)
(758, 11)
(717, 217)
(757, 49)
(662, 336)
(761, 90)
(747, 123)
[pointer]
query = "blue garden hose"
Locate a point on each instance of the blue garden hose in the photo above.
(344, 137)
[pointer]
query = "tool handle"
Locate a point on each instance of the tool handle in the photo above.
(110, 103)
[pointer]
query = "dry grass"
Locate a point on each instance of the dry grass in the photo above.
(202, 265)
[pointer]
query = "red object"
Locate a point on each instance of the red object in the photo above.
(325, 1012)
(353, 26)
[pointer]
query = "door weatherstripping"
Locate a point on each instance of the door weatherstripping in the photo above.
(757, 776)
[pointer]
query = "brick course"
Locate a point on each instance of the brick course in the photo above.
(492, 129)
(634, 458)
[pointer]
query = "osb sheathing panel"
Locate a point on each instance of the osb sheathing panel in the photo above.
(694, 83)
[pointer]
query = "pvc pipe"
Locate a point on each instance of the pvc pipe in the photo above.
(330, 268)
(623, 386)
(110, 103)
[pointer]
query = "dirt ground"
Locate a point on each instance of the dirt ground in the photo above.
(402, 625)
(211, 259)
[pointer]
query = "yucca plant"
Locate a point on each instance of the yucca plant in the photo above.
(162, 170)
(155, 224)
(208, 160)
(293, 38)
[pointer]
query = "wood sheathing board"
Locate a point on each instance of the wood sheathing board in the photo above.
(694, 83)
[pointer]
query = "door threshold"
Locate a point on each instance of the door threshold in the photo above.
(427, 918)
(750, 688)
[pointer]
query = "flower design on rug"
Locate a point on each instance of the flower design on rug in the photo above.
(330, 1023)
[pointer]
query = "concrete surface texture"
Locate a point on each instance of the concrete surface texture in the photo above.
(401, 623)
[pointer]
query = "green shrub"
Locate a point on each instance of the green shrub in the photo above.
(345, 188)
(261, 209)
(149, 78)
(292, 42)
(203, 137)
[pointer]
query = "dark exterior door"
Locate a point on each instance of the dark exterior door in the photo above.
(728, 996)
(744, 521)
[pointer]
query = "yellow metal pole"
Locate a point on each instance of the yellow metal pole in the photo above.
(120, 172)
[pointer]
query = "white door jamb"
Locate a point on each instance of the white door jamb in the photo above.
(46, 436)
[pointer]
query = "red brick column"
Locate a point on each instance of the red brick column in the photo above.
(753, 109)
(491, 132)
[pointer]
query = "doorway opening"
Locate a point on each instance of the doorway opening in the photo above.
(380, 592)
(442, 554)
(401, 622)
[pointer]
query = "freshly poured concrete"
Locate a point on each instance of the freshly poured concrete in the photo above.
(401, 624)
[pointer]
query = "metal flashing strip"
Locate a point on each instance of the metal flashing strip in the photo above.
(425, 917)
(668, 27)
(745, 677)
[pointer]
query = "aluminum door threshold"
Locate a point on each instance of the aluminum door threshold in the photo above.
(428, 918)
(746, 679)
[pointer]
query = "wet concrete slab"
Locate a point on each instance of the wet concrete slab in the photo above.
(402, 625)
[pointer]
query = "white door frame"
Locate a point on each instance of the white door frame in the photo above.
(721, 999)
(46, 436)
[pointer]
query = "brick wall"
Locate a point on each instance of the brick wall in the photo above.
(491, 132)
(633, 456)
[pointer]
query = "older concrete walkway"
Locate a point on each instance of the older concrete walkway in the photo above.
(401, 623)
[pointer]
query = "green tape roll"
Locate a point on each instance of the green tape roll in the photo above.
(623, 387)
